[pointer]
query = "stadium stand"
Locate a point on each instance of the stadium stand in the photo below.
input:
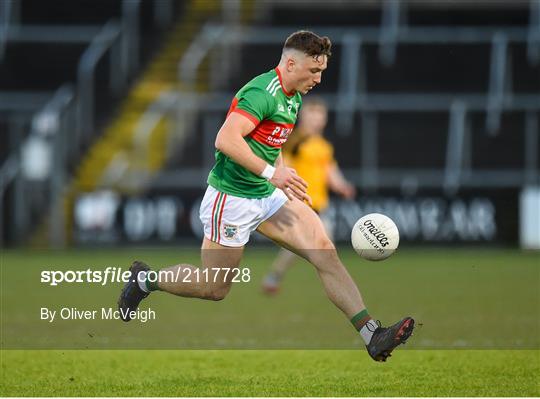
(440, 96)
(64, 68)
(442, 54)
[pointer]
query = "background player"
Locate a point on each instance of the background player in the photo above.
(312, 156)
(250, 189)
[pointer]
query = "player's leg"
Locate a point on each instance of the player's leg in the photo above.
(297, 227)
(283, 262)
(212, 281)
(228, 222)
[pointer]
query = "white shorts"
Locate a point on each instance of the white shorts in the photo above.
(229, 220)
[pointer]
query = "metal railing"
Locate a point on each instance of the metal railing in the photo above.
(5, 20)
(107, 39)
(352, 79)
(352, 96)
(69, 112)
(38, 167)
(533, 40)
(455, 174)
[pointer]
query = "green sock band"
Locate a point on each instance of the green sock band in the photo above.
(152, 285)
(359, 316)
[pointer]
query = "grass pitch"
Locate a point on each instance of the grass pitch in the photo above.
(479, 311)
(270, 373)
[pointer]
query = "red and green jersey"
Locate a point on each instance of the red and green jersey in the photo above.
(273, 111)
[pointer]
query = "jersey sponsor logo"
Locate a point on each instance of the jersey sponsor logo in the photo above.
(272, 133)
(280, 135)
(281, 108)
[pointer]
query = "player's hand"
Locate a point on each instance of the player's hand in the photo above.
(348, 191)
(292, 185)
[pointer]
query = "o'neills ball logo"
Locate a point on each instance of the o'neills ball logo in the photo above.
(375, 232)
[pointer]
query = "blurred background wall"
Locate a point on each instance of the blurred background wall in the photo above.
(109, 110)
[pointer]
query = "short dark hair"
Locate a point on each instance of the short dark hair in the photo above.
(309, 43)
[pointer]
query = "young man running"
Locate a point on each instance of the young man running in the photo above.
(250, 189)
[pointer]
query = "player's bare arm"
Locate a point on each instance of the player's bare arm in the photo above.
(339, 184)
(279, 161)
(230, 141)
